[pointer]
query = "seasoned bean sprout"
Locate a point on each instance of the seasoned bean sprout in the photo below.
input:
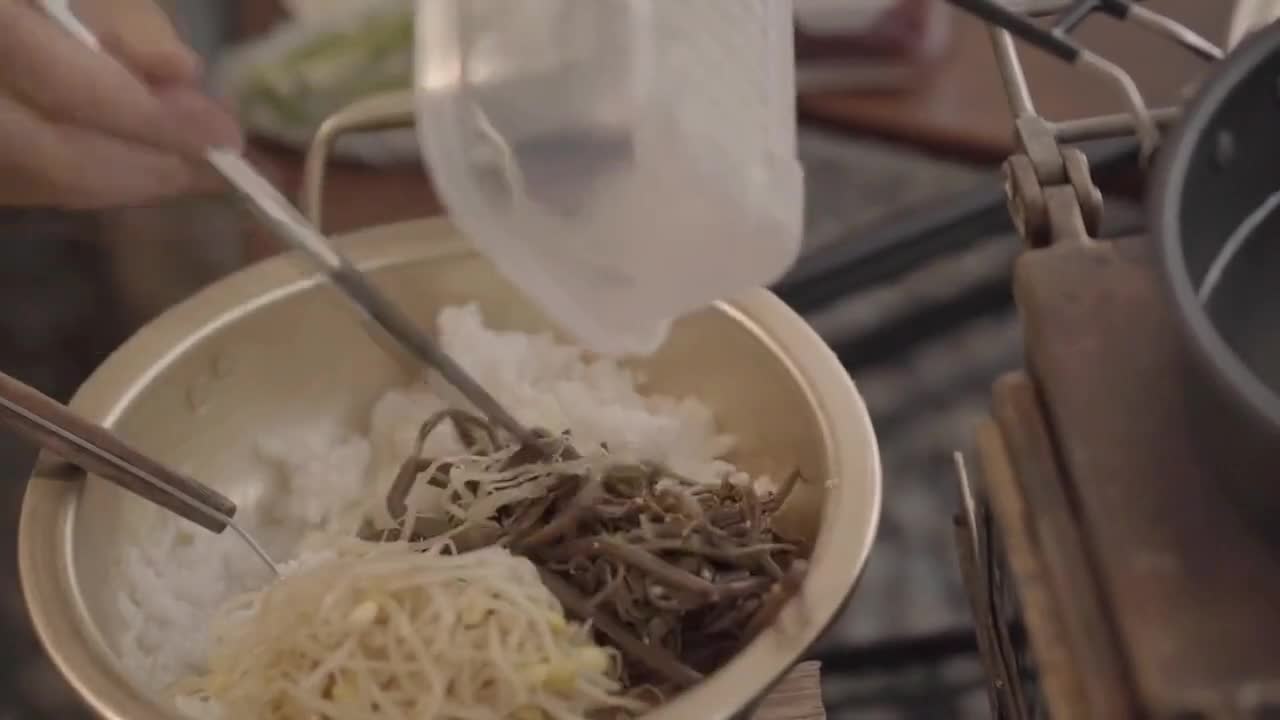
(393, 630)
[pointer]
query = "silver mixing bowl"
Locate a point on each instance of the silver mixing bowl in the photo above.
(273, 346)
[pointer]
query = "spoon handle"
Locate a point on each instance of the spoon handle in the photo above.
(289, 225)
(53, 427)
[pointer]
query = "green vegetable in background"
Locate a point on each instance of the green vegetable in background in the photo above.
(293, 93)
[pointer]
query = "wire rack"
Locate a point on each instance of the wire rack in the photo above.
(1050, 191)
(1042, 162)
(1048, 26)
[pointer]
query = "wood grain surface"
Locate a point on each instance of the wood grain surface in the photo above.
(797, 697)
(1189, 587)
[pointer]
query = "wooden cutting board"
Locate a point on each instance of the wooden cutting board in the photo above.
(797, 697)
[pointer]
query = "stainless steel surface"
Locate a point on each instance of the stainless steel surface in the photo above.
(1234, 244)
(1214, 192)
(261, 345)
(1212, 205)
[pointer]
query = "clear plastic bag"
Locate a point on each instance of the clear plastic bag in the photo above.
(622, 161)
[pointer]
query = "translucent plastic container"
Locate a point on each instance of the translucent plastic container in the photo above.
(623, 162)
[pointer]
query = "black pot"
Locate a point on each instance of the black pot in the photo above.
(1217, 169)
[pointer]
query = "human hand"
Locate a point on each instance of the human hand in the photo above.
(80, 129)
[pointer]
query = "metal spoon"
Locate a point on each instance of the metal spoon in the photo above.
(289, 225)
(85, 446)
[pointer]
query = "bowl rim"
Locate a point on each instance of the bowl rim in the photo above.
(1209, 348)
(45, 533)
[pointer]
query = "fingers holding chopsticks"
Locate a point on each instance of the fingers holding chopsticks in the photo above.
(80, 128)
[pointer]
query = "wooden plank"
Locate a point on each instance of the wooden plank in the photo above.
(1041, 613)
(973, 573)
(798, 696)
(1193, 591)
(1049, 525)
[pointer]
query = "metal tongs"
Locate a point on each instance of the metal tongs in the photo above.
(84, 446)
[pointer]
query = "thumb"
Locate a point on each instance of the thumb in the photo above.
(141, 36)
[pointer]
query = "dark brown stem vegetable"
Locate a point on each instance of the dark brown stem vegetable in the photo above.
(676, 574)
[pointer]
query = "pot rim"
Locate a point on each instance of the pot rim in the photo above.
(45, 532)
(1165, 201)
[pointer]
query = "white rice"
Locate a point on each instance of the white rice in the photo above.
(175, 582)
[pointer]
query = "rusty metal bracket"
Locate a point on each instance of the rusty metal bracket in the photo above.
(1050, 190)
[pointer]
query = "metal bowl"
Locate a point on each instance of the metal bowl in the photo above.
(273, 346)
(1216, 170)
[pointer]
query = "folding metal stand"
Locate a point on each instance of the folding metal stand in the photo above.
(1092, 522)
